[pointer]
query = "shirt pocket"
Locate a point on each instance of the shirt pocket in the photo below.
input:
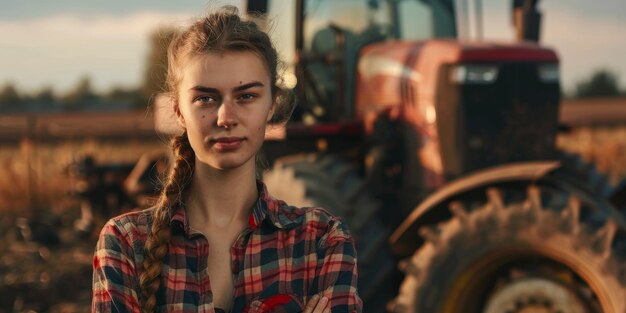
(281, 303)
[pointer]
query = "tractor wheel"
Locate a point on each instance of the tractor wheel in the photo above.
(577, 170)
(586, 173)
(326, 181)
(534, 250)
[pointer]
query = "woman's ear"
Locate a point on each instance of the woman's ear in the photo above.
(179, 116)
(270, 114)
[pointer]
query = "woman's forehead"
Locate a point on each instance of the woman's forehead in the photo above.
(225, 69)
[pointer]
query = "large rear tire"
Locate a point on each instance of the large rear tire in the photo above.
(536, 251)
(326, 181)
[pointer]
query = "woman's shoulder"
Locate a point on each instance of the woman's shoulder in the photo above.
(133, 225)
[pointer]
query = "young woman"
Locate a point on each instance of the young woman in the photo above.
(217, 241)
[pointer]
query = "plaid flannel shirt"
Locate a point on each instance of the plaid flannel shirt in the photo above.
(283, 257)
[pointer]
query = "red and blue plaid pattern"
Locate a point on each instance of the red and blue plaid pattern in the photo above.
(285, 256)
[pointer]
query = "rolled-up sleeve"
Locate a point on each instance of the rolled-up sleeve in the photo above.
(338, 274)
(114, 275)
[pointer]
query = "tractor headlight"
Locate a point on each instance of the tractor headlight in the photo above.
(548, 73)
(474, 74)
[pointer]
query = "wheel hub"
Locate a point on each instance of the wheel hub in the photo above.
(535, 295)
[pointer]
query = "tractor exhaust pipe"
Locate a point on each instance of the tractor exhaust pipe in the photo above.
(256, 7)
(526, 20)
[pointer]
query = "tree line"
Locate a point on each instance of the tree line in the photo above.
(601, 83)
(83, 96)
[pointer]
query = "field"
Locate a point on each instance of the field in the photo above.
(35, 183)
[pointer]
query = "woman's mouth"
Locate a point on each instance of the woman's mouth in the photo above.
(227, 143)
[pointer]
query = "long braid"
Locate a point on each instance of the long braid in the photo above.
(157, 244)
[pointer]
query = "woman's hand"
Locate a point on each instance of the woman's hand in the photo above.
(317, 304)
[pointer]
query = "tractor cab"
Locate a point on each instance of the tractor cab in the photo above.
(422, 64)
(323, 48)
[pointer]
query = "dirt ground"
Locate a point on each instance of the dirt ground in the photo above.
(40, 278)
(54, 274)
(52, 271)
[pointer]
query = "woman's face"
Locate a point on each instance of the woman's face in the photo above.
(224, 103)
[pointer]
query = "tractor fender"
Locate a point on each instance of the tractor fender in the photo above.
(402, 239)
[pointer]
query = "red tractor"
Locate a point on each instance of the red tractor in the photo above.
(439, 153)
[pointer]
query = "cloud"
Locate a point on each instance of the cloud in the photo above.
(56, 50)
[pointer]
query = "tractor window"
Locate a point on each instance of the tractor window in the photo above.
(404, 19)
(424, 19)
(354, 16)
(415, 20)
(444, 16)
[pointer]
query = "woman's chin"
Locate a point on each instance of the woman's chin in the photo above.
(225, 163)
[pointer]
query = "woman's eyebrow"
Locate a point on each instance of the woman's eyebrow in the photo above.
(238, 88)
(204, 89)
(248, 85)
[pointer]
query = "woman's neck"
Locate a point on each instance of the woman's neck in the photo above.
(221, 199)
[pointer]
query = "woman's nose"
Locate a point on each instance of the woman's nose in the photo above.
(226, 116)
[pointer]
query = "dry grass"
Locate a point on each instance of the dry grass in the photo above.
(46, 184)
(604, 146)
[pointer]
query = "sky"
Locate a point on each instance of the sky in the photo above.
(55, 43)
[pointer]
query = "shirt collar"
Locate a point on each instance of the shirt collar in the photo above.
(275, 211)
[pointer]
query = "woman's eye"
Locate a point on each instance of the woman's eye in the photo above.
(205, 100)
(246, 97)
